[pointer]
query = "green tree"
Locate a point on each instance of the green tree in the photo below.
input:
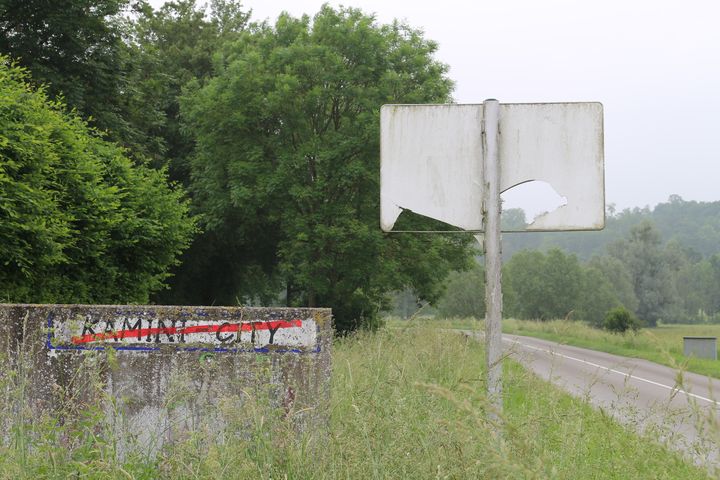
(78, 222)
(713, 299)
(649, 266)
(513, 219)
(698, 285)
(696, 289)
(617, 275)
(695, 225)
(620, 320)
(596, 297)
(406, 304)
(76, 49)
(542, 286)
(464, 294)
(173, 46)
(286, 169)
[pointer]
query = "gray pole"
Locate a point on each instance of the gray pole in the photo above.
(493, 257)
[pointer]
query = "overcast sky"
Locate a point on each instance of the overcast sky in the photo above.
(655, 65)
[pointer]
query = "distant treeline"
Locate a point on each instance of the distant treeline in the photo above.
(694, 225)
(662, 265)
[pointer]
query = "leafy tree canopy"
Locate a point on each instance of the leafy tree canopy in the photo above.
(695, 225)
(76, 49)
(121, 64)
(619, 320)
(78, 222)
(649, 266)
(172, 46)
(464, 294)
(286, 170)
(542, 286)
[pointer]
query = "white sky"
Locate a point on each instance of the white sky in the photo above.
(654, 64)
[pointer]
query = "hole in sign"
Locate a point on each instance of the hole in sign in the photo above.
(525, 202)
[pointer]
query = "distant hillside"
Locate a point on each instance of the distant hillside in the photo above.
(695, 225)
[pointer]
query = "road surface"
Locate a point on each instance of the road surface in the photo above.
(682, 410)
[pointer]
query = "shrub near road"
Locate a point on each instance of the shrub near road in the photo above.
(79, 222)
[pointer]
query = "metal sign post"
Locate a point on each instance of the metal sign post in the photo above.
(451, 162)
(492, 249)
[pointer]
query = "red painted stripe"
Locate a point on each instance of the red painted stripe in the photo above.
(210, 328)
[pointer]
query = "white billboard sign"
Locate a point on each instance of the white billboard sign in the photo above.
(431, 161)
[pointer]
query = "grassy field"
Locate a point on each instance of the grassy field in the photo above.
(406, 403)
(663, 344)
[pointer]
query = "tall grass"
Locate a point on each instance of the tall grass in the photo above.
(406, 403)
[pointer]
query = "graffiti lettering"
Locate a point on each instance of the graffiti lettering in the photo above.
(272, 333)
(89, 326)
(162, 329)
(127, 327)
(178, 331)
(220, 329)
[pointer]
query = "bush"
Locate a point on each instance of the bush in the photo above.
(464, 294)
(79, 222)
(620, 320)
(542, 285)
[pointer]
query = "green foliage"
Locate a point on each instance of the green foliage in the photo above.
(286, 167)
(546, 286)
(668, 281)
(620, 320)
(650, 270)
(697, 284)
(405, 304)
(464, 295)
(597, 295)
(78, 222)
(77, 50)
(618, 277)
(542, 286)
(73, 46)
(405, 403)
(695, 225)
(171, 47)
(121, 64)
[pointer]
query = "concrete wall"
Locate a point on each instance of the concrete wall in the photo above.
(159, 372)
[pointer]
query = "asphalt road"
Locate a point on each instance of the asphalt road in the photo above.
(682, 410)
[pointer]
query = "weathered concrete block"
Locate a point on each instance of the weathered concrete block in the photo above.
(160, 371)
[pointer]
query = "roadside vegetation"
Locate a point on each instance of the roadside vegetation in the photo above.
(662, 344)
(79, 221)
(406, 403)
(264, 135)
(636, 273)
